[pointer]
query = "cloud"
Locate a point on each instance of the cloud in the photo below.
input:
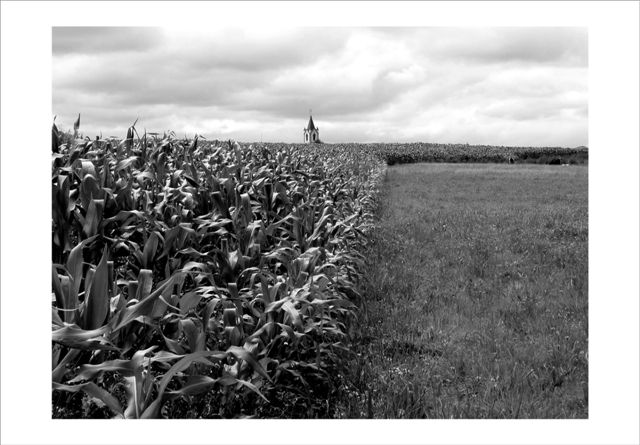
(99, 40)
(532, 45)
(253, 49)
(476, 85)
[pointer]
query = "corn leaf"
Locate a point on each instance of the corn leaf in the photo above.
(144, 307)
(152, 411)
(98, 301)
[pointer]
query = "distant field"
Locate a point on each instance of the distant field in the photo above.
(476, 300)
(409, 153)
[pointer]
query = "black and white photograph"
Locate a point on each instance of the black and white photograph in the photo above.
(419, 250)
(327, 221)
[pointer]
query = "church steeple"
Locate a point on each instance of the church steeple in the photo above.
(310, 125)
(311, 133)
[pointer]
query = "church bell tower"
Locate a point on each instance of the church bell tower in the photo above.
(311, 133)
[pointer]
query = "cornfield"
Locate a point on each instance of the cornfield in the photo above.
(454, 153)
(189, 272)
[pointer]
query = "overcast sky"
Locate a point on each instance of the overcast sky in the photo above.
(501, 86)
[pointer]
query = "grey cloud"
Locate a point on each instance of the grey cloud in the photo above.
(125, 82)
(338, 102)
(96, 40)
(253, 53)
(206, 72)
(564, 46)
(524, 110)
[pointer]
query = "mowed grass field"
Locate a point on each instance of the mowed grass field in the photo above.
(477, 294)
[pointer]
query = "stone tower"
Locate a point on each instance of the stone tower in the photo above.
(311, 133)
